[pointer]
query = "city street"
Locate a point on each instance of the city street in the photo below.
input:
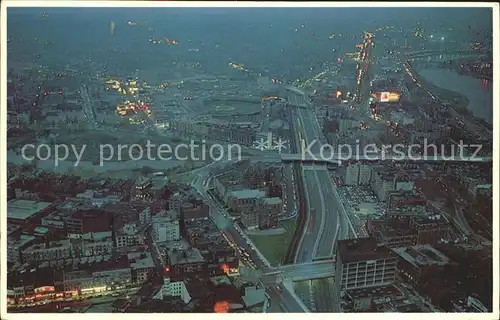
(77, 303)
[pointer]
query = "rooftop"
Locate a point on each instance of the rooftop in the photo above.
(374, 292)
(66, 243)
(141, 260)
(422, 255)
(22, 240)
(384, 229)
(432, 219)
(362, 249)
(168, 215)
(272, 201)
(11, 228)
(248, 194)
(37, 277)
(128, 229)
(192, 255)
(23, 209)
(204, 234)
(92, 236)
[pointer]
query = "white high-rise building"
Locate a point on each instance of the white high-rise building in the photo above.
(352, 174)
(365, 174)
(358, 174)
(145, 216)
(166, 226)
(382, 183)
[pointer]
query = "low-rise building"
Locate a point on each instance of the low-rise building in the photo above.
(392, 233)
(98, 277)
(405, 202)
(265, 214)
(413, 260)
(20, 211)
(219, 255)
(129, 235)
(15, 245)
(194, 210)
(92, 244)
(55, 250)
(182, 263)
(85, 221)
(239, 200)
(142, 266)
(431, 229)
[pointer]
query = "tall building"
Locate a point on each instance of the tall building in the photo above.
(145, 217)
(352, 174)
(365, 174)
(166, 226)
(361, 263)
(358, 174)
(382, 183)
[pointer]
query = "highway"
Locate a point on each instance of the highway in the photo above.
(88, 108)
(299, 272)
(325, 220)
(282, 301)
(321, 216)
(324, 212)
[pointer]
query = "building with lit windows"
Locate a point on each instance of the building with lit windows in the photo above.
(96, 277)
(143, 188)
(142, 266)
(129, 235)
(362, 263)
(219, 255)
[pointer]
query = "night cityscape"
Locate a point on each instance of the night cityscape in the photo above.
(249, 160)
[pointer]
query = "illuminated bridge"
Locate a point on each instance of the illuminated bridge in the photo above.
(430, 55)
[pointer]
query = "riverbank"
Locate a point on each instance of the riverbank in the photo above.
(468, 94)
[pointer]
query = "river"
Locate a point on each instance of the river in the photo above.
(480, 97)
(66, 167)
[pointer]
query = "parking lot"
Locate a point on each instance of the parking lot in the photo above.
(361, 204)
